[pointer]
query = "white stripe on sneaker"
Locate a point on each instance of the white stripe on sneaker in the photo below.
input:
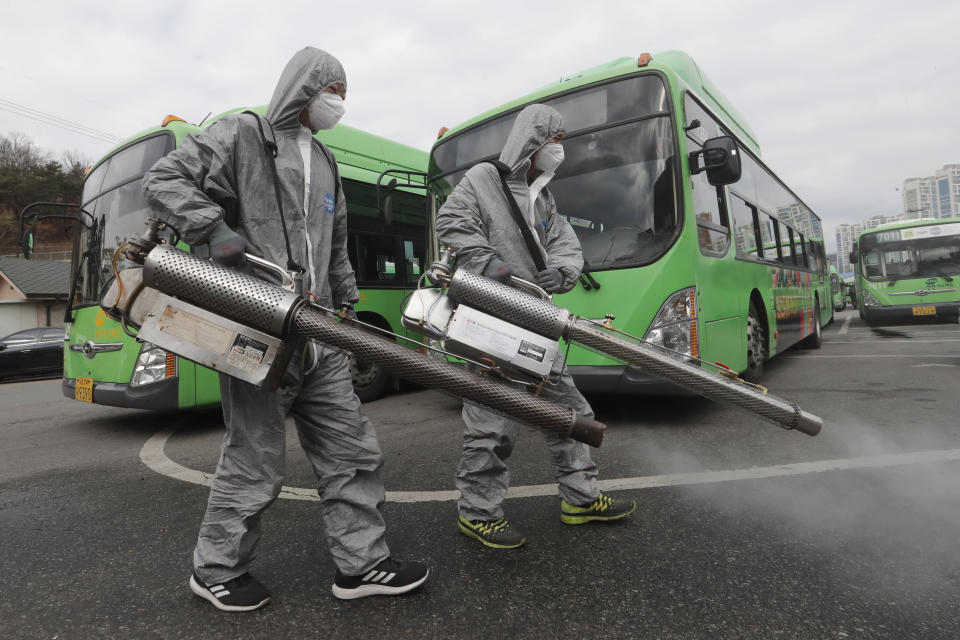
(387, 579)
(221, 594)
(378, 577)
(372, 573)
(217, 587)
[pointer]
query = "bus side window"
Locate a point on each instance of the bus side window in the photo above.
(413, 255)
(375, 258)
(779, 240)
(745, 227)
(712, 231)
(804, 259)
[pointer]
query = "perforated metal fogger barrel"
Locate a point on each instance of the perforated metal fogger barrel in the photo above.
(261, 305)
(507, 303)
(710, 385)
(219, 289)
(456, 380)
(540, 316)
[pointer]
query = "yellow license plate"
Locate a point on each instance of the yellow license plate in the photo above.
(84, 390)
(926, 310)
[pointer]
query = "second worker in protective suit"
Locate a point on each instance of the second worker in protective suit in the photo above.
(268, 187)
(484, 228)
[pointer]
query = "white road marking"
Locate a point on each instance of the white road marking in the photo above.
(846, 325)
(153, 456)
(933, 364)
(874, 355)
(892, 340)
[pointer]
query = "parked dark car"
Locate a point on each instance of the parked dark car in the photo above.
(32, 352)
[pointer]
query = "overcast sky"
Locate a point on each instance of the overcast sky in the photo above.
(847, 99)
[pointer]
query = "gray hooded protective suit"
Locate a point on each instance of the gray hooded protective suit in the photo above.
(223, 173)
(476, 222)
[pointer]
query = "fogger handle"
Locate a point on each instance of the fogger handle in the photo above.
(287, 279)
(530, 287)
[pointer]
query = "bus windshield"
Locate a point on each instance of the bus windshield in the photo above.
(112, 195)
(917, 252)
(618, 182)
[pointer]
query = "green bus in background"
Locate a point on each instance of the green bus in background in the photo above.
(105, 365)
(838, 290)
(687, 247)
(908, 271)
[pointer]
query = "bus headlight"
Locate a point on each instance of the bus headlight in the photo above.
(153, 364)
(675, 325)
(870, 300)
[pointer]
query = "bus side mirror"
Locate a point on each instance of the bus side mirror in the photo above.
(388, 202)
(721, 161)
(853, 257)
(26, 245)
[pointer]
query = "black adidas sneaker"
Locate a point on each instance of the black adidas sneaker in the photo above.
(389, 578)
(243, 593)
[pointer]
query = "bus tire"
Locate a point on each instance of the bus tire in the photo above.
(370, 380)
(756, 344)
(815, 339)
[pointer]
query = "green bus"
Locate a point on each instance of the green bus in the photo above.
(105, 365)
(908, 271)
(727, 268)
(838, 290)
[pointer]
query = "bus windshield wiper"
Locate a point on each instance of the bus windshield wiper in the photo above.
(586, 279)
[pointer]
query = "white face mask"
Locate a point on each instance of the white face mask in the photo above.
(549, 157)
(324, 111)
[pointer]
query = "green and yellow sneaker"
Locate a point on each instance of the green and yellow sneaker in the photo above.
(603, 509)
(497, 534)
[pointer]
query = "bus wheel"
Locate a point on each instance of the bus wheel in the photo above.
(756, 345)
(815, 339)
(370, 380)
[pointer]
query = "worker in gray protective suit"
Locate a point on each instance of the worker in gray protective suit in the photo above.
(476, 221)
(218, 188)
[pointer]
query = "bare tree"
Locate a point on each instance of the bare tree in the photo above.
(19, 154)
(74, 163)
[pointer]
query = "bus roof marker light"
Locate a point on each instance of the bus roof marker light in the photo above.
(171, 118)
(644, 59)
(442, 131)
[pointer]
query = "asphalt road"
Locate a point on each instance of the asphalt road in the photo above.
(743, 530)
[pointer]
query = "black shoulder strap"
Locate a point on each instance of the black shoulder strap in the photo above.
(532, 245)
(270, 146)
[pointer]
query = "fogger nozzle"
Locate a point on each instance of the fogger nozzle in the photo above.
(546, 319)
(268, 308)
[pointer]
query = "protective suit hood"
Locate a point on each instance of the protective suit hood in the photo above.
(534, 126)
(309, 72)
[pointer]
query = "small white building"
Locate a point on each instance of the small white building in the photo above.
(33, 293)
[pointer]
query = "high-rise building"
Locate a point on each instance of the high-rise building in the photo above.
(846, 235)
(936, 196)
(918, 198)
(876, 221)
(798, 217)
(947, 196)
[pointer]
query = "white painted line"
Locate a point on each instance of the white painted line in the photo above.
(153, 456)
(846, 325)
(933, 364)
(916, 355)
(893, 340)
